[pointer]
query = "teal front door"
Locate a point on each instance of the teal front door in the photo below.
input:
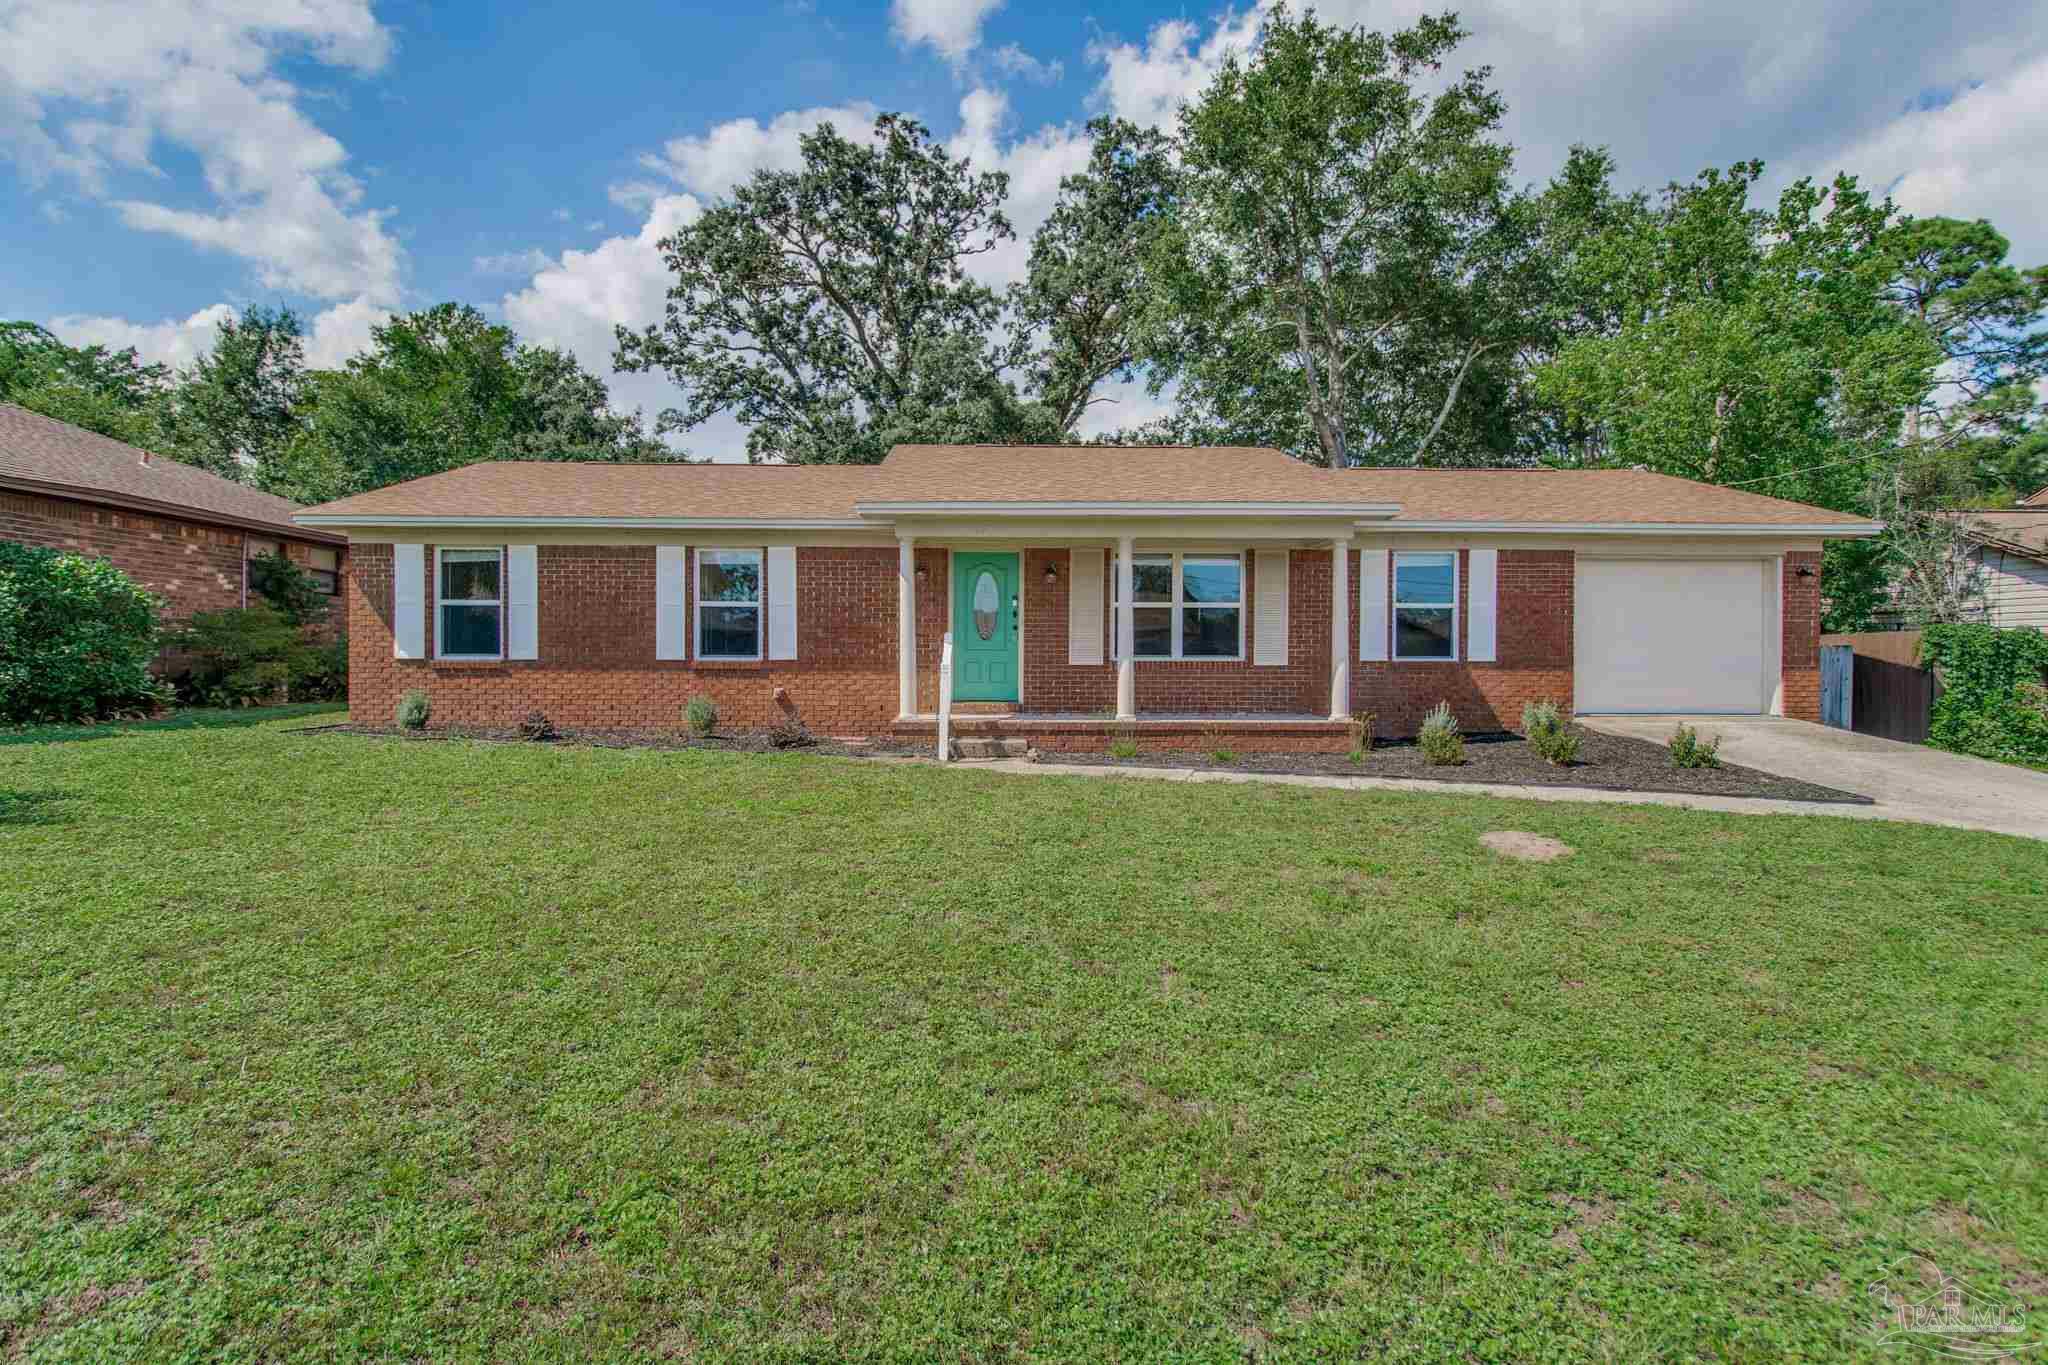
(985, 588)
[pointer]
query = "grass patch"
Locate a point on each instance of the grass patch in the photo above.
(324, 1047)
(191, 718)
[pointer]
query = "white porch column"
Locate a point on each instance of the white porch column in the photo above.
(1340, 629)
(906, 627)
(1126, 632)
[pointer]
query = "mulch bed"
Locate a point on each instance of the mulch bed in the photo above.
(734, 741)
(1606, 763)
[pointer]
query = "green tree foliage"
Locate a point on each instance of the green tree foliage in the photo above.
(829, 308)
(1992, 701)
(245, 656)
(110, 392)
(443, 388)
(1348, 275)
(235, 410)
(76, 638)
(289, 590)
(1088, 286)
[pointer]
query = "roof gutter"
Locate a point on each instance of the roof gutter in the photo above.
(544, 523)
(1377, 511)
(1834, 530)
(179, 511)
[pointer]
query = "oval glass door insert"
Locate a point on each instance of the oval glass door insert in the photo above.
(986, 605)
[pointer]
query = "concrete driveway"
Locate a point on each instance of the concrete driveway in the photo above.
(1908, 781)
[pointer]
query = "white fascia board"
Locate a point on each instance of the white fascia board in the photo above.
(621, 523)
(1358, 510)
(1840, 530)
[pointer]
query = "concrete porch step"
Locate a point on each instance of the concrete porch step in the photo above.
(969, 747)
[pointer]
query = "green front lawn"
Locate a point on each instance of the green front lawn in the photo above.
(329, 1046)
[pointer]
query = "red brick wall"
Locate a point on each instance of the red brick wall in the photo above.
(1299, 687)
(597, 665)
(192, 565)
(1801, 637)
(1533, 654)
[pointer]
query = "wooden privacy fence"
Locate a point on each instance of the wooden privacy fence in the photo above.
(1887, 693)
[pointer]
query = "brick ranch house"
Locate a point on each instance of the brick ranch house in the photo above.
(184, 534)
(1090, 591)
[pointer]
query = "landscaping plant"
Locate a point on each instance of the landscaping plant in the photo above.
(243, 656)
(538, 728)
(791, 734)
(700, 714)
(1688, 750)
(1362, 724)
(1441, 742)
(1991, 702)
(289, 590)
(76, 638)
(413, 710)
(1543, 725)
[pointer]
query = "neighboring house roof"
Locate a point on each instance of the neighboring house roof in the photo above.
(1088, 480)
(2038, 498)
(43, 455)
(2018, 530)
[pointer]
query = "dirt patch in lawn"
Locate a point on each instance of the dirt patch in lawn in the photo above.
(1606, 763)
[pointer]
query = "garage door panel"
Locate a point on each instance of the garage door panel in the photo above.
(1671, 635)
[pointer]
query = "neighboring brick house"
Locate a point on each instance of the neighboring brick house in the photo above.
(1089, 591)
(181, 532)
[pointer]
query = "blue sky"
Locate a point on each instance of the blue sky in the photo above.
(161, 163)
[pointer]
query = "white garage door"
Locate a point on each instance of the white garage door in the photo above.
(1672, 635)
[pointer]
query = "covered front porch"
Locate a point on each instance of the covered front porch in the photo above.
(1174, 631)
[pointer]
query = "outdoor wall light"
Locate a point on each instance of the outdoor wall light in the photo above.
(1052, 573)
(1804, 571)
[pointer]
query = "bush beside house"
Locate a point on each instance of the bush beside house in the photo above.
(1992, 701)
(76, 638)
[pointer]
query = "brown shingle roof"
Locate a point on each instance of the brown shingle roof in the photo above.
(1057, 474)
(2038, 498)
(2023, 530)
(49, 455)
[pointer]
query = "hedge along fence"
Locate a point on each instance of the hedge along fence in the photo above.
(1993, 702)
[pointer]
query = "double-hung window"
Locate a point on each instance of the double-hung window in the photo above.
(1426, 605)
(1183, 606)
(471, 604)
(728, 604)
(323, 566)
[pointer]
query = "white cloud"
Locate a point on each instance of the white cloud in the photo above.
(333, 335)
(1035, 164)
(1147, 83)
(952, 28)
(514, 262)
(1012, 60)
(724, 158)
(1979, 156)
(88, 88)
(174, 341)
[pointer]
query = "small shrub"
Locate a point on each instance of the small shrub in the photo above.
(700, 714)
(1123, 744)
(76, 638)
(1224, 756)
(1358, 755)
(244, 656)
(324, 674)
(413, 710)
(1441, 742)
(1362, 726)
(791, 734)
(289, 589)
(1991, 699)
(538, 728)
(1543, 724)
(1688, 750)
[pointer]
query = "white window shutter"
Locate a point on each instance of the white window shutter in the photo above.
(522, 602)
(408, 601)
(1269, 627)
(671, 598)
(1084, 607)
(1481, 606)
(782, 601)
(1372, 605)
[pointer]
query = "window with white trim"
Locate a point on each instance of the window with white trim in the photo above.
(469, 612)
(729, 604)
(1426, 605)
(1183, 606)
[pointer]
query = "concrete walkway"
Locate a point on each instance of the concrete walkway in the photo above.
(1907, 781)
